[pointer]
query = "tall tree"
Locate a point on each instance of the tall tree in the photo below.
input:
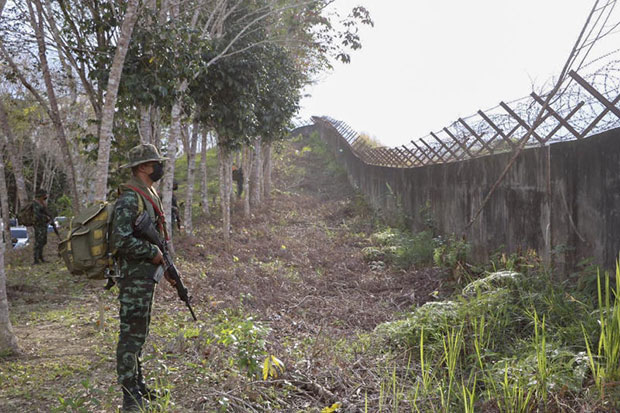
(4, 195)
(247, 167)
(204, 182)
(109, 107)
(51, 104)
(191, 175)
(8, 341)
(15, 156)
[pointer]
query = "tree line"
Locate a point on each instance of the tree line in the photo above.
(85, 80)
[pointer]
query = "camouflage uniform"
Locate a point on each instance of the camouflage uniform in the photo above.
(41, 220)
(136, 284)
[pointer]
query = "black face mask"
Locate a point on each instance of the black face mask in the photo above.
(158, 172)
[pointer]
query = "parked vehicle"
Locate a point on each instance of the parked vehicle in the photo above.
(59, 223)
(19, 237)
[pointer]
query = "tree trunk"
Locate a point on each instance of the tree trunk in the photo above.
(144, 126)
(225, 158)
(107, 115)
(8, 341)
(246, 167)
(35, 173)
(173, 138)
(155, 117)
(267, 171)
(54, 110)
(191, 175)
(204, 183)
(4, 198)
(15, 157)
(257, 166)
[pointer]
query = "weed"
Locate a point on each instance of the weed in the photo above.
(246, 336)
(452, 253)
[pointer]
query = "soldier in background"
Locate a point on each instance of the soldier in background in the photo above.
(42, 218)
(176, 217)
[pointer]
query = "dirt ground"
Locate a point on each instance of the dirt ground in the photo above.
(295, 266)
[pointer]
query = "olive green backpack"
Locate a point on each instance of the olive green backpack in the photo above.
(86, 251)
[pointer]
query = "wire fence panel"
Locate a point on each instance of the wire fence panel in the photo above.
(586, 106)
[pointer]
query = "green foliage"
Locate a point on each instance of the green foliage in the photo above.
(451, 253)
(62, 206)
(247, 336)
(401, 248)
(321, 152)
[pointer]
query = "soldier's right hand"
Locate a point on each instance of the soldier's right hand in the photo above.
(158, 259)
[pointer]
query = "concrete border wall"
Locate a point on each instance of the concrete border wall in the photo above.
(563, 198)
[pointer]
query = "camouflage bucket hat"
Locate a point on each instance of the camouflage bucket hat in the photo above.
(145, 152)
(40, 193)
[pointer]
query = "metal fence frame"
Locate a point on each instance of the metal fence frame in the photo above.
(578, 112)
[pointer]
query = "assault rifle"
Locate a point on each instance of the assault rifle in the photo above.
(145, 229)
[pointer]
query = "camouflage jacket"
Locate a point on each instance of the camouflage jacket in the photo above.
(41, 214)
(134, 254)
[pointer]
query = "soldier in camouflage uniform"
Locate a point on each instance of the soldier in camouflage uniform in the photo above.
(138, 261)
(42, 218)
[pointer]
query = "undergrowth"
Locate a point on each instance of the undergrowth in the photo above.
(509, 342)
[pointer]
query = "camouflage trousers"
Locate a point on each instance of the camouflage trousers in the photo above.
(136, 298)
(40, 239)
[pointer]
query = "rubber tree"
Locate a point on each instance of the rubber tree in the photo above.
(190, 149)
(109, 106)
(4, 196)
(34, 16)
(160, 65)
(225, 100)
(14, 155)
(87, 38)
(8, 341)
(204, 181)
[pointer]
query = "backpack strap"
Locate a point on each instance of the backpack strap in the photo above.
(162, 219)
(140, 200)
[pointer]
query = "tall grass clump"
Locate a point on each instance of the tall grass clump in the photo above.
(512, 342)
(604, 359)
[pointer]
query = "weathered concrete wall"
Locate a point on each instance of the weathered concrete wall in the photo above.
(565, 197)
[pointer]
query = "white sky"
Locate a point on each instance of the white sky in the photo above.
(426, 63)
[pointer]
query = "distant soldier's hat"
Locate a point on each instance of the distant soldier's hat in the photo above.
(145, 152)
(40, 193)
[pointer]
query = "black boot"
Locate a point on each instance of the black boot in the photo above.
(132, 401)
